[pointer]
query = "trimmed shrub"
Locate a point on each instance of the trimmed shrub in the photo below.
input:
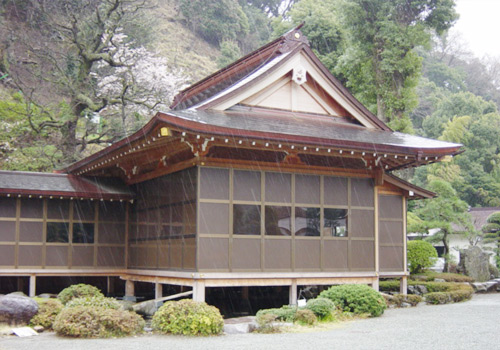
(284, 314)
(48, 309)
(267, 323)
(322, 307)
(430, 276)
(102, 302)
(421, 255)
(78, 291)
(356, 298)
(461, 295)
(95, 322)
(393, 286)
(437, 298)
(188, 317)
(305, 316)
(411, 299)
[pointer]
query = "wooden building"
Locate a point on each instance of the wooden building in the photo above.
(266, 173)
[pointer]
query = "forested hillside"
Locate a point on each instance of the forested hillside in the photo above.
(78, 75)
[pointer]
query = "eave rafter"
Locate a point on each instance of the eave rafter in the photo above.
(163, 150)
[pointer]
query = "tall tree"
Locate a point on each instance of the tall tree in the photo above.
(444, 212)
(491, 234)
(74, 61)
(381, 58)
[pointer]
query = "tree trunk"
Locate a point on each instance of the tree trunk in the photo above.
(446, 252)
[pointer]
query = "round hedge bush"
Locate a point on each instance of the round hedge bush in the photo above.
(103, 302)
(322, 307)
(356, 298)
(305, 316)
(188, 317)
(48, 309)
(421, 255)
(78, 291)
(97, 322)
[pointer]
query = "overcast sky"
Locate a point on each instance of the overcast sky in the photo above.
(479, 25)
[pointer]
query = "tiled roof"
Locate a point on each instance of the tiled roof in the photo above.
(320, 130)
(62, 185)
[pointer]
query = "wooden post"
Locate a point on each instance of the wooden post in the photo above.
(110, 288)
(129, 290)
(293, 293)
(32, 291)
(199, 291)
(403, 285)
(158, 290)
(375, 284)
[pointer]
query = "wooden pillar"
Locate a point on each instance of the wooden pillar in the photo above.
(32, 291)
(158, 290)
(403, 285)
(375, 284)
(129, 290)
(110, 287)
(293, 293)
(199, 291)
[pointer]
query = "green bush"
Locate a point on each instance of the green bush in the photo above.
(421, 255)
(48, 309)
(356, 298)
(437, 298)
(322, 307)
(305, 316)
(77, 291)
(284, 314)
(188, 317)
(102, 302)
(267, 324)
(430, 276)
(411, 299)
(461, 295)
(96, 322)
(393, 286)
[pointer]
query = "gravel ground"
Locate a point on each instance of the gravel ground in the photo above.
(471, 325)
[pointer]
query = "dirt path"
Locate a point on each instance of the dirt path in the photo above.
(471, 325)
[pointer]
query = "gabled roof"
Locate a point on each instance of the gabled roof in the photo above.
(33, 184)
(287, 63)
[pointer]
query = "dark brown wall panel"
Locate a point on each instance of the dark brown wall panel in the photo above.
(277, 254)
(7, 231)
(112, 211)
(390, 207)
(362, 223)
(189, 253)
(58, 256)
(246, 185)
(143, 257)
(164, 254)
(335, 254)
(7, 207)
(30, 255)
(362, 255)
(213, 254)
(335, 189)
(30, 231)
(111, 256)
(246, 254)
(391, 232)
(176, 253)
(307, 254)
(82, 256)
(58, 209)
(214, 218)
(83, 210)
(214, 183)
(391, 258)
(362, 192)
(307, 189)
(278, 187)
(32, 208)
(111, 233)
(7, 255)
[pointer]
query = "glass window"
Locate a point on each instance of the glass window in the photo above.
(307, 221)
(83, 233)
(278, 220)
(57, 232)
(246, 219)
(335, 222)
